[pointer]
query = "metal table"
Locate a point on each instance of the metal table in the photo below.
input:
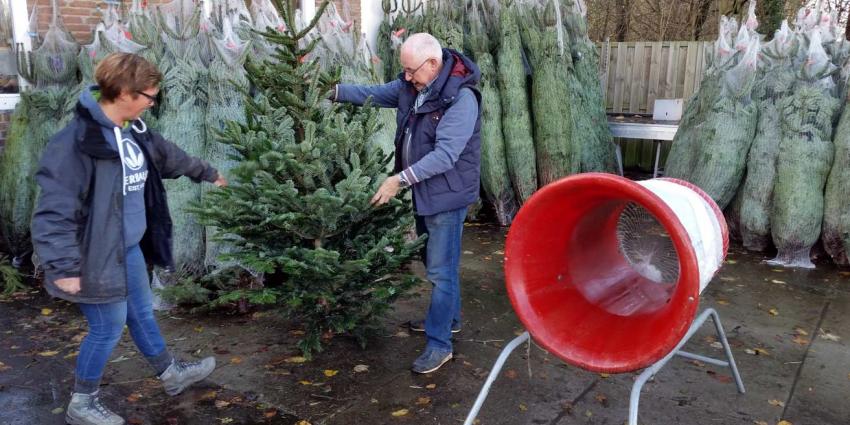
(641, 127)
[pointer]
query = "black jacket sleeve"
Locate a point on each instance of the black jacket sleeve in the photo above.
(56, 224)
(173, 162)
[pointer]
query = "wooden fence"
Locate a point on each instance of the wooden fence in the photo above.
(634, 74)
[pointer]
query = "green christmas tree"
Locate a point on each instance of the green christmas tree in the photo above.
(298, 206)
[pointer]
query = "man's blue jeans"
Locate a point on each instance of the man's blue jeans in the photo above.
(106, 324)
(442, 262)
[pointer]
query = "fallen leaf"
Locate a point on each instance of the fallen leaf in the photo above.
(773, 312)
(296, 359)
(305, 382)
(79, 337)
(402, 334)
(760, 423)
(722, 378)
(3, 367)
(303, 423)
(602, 399)
(330, 373)
(510, 374)
(776, 403)
(199, 329)
(749, 351)
(523, 407)
(272, 413)
(57, 410)
(784, 423)
(48, 353)
(716, 344)
(422, 401)
(209, 395)
(800, 331)
(221, 404)
(46, 312)
(400, 412)
(132, 398)
(361, 368)
(235, 360)
(800, 340)
(226, 420)
(432, 386)
(604, 375)
(722, 302)
(828, 336)
(762, 351)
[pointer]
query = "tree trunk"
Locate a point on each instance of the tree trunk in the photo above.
(732, 7)
(622, 30)
(770, 15)
(604, 33)
(700, 17)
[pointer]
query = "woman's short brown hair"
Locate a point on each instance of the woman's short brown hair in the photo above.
(125, 72)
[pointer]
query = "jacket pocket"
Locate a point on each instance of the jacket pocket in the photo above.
(449, 181)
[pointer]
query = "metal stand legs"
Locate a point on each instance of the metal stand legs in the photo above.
(652, 370)
(642, 378)
(506, 352)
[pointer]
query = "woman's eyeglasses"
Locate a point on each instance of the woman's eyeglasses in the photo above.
(154, 99)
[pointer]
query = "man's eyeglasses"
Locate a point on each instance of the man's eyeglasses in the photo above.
(410, 73)
(154, 99)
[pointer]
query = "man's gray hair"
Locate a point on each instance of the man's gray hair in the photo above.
(424, 46)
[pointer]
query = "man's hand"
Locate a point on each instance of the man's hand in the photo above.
(70, 285)
(389, 189)
(220, 181)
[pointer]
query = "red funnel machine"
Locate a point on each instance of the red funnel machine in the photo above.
(606, 273)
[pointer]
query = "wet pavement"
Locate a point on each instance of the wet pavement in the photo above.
(788, 330)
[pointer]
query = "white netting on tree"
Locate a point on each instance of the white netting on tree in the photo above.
(54, 62)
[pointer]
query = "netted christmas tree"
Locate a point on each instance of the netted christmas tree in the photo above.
(298, 206)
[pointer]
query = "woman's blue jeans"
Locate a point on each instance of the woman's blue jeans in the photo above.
(442, 262)
(106, 324)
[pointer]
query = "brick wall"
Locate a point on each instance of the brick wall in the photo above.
(81, 16)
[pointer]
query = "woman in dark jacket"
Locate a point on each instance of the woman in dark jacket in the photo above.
(101, 213)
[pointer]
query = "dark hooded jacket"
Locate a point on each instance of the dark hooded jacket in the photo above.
(78, 223)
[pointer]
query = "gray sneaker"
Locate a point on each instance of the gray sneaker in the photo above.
(431, 360)
(86, 409)
(180, 375)
(419, 326)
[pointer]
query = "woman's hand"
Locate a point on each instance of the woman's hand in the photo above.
(70, 285)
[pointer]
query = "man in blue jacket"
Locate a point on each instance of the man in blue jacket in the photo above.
(437, 154)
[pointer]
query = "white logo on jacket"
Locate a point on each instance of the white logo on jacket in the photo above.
(133, 157)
